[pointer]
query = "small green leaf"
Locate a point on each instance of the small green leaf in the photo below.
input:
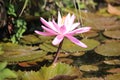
(3, 65)
(7, 73)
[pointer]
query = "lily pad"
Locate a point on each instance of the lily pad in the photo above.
(89, 34)
(1, 50)
(91, 78)
(71, 47)
(30, 39)
(17, 53)
(61, 55)
(109, 49)
(114, 70)
(65, 60)
(47, 73)
(110, 41)
(113, 34)
(112, 62)
(77, 53)
(49, 57)
(48, 47)
(113, 77)
(101, 23)
(89, 68)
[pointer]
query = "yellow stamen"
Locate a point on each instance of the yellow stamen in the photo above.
(63, 19)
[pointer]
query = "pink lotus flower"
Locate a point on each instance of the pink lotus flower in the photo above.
(64, 28)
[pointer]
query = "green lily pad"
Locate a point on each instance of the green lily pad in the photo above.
(48, 47)
(109, 49)
(113, 34)
(47, 73)
(77, 53)
(44, 38)
(71, 47)
(30, 39)
(49, 57)
(17, 53)
(89, 68)
(1, 50)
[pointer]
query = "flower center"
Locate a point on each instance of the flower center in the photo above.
(63, 19)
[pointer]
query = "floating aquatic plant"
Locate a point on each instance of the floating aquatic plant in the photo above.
(113, 77)
(30, 39)
(89, 34)
(71, 47)
(112, 62)
(65, 60)
(98, 22)
(89, 68)
(109, 49)
(113, 34)
(47, 73)
(64, 28)
(16, 53)
(114, 70)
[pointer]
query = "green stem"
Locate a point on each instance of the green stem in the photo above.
(25, 4)
(58, 52)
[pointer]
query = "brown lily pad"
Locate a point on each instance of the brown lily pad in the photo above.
(89, 34)
(109, 49)
(64, 77)
(110, 41)
(49, 57)
(65, 60)
(113, 34)
(63, 55)
(113, 77)
(114, 70)
(101, 23)
(112, 62)
(91, 78)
